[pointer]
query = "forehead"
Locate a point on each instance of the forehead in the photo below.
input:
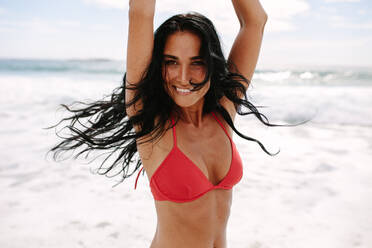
(182, 44)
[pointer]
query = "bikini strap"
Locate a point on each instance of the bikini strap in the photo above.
(135, 185)
(221, 125)
(174, 133)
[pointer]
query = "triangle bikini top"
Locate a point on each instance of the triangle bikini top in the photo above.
(178, 179)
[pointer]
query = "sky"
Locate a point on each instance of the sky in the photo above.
(298, 32)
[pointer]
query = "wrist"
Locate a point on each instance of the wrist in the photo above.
(142, 8)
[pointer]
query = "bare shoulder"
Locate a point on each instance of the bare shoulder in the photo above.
(224, 123)
(229, 106)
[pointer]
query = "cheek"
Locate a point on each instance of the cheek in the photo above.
(169, 73)
(198, 73)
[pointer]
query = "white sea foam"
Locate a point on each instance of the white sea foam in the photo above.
(322, 104)
(307, 75)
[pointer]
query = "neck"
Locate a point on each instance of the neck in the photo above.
(192, 115)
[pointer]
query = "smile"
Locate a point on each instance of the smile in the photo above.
(183, 91)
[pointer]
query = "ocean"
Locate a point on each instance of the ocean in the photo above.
(315, 193)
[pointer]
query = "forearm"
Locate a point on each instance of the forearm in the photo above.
(142, 7)
(140, 38)
(249, 11)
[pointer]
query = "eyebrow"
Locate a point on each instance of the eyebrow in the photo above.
(175, 57)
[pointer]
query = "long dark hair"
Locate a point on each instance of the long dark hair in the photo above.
(108, 126)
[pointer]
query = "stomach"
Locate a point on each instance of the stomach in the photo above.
(199, 224)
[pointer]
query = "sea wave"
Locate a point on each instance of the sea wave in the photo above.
(91, 66)
(293, 75)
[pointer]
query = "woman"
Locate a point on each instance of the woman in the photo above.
(181, 97)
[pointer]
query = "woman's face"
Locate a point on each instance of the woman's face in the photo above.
(182, 63)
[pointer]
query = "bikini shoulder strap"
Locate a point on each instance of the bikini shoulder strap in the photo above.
(174, 133)
(215, 116)
(135, 185)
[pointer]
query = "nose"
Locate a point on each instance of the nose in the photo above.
(184, 75)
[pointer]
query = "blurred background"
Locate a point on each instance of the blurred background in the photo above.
(315, 62)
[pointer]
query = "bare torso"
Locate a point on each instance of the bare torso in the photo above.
(202, 222)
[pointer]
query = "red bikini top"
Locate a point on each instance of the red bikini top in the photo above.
(178, 179)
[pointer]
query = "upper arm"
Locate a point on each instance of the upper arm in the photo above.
(244, 55)
(139, 52)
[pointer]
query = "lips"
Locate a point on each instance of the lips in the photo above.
(182, 91)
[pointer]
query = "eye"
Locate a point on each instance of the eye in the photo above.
(170, 62)
(198, 63)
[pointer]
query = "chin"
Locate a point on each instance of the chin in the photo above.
(186, 103)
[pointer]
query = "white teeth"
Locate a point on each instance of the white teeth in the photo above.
(183, 90)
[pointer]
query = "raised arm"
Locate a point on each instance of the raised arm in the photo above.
(140, 45)
(246, 47)
(245, 50)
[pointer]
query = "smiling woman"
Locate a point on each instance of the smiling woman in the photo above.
(176, 110)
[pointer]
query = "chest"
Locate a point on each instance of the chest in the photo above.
(195, 163)
(210, 151)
